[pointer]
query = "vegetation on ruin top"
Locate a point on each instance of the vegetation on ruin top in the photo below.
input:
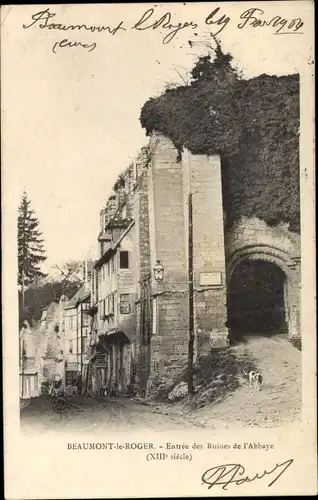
(252, 123)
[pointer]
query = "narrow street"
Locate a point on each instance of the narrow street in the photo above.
(100, 415)
(278, 402)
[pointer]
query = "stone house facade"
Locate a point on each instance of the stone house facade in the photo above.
(52, 328)
(113, 296)
(41, 350)
(31, 343)
(76, 327)
(149, 211)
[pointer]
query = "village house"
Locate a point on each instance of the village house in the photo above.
(167, 213)
(75, 335)
(41, 350)
(52, 326)
(146, 224)
(113, 296)
(31, 342)
(223, 259)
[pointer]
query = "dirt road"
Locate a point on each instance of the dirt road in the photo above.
(99, 415)
(278, 402)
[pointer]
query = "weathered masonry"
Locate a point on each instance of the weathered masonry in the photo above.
(246, 276)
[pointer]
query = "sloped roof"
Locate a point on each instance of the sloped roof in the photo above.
(112, 248)
(79, 297)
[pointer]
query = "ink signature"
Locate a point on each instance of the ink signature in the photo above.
(163, 22)
(42, 20)
(46, 15)
(232, 473)
(151, 19)
(250, 19)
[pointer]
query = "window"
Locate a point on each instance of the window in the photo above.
(85, 320)
(110, 299)
(123, 259)
(112, 303)
(124, 303)
(107, 305)
(70, 346)
(83, 341)
(96, 285)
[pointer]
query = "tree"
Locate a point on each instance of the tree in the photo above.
(70, 272)
(37, 297)
(31, 253)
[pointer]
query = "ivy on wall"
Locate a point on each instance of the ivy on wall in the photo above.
(253, 124)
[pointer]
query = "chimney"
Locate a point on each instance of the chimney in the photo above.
(102, 220)
(88, 274)
(129, 180)
(120, 197)
(111, 207)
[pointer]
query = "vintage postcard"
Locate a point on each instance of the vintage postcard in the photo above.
(158, 250)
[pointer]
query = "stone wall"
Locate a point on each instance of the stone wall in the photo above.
(168, 244)
(252, 232)
(170, 343)
(167, 215)
(253, 239)
(157, 189)
(204, 174)
(171, 178)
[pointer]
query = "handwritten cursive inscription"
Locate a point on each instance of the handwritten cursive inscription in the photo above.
(151, 19)
(250, 19)
(163, 22)
(222, 21)
(46, 15)
(232, 474)
(41, 20)
(67, 43)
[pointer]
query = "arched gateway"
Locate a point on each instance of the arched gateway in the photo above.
(262, 291)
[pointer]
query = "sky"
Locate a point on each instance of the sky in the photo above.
(71, 118)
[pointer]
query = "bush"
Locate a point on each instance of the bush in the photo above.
(254, 126)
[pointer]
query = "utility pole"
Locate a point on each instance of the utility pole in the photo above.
(191, 308)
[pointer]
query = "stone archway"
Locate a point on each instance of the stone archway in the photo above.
(281, 288)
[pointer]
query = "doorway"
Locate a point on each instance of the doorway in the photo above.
(257, 299)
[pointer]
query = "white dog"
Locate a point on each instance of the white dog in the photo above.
(255, 379)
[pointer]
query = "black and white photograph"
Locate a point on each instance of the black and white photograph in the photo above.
(159, 202)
